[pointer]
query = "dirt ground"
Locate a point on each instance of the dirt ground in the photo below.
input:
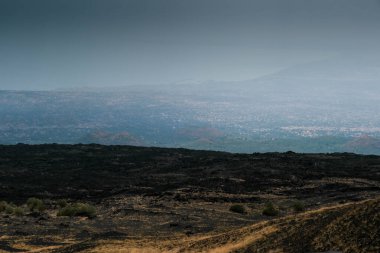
(176, 200)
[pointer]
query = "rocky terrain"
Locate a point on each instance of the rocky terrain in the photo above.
(135, 199)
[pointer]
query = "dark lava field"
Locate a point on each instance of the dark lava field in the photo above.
(145, 193)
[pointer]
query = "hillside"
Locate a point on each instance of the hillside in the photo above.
(145, 199)
(339, 228)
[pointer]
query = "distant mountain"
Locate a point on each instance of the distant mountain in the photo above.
(365, 143)
(274, 113)
(201, 132)
(106, 138)
(346, 76)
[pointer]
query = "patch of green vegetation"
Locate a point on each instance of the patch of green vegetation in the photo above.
(62, 203)
(10, 208)
(78, 209)
(35, 205)
(238, 209)
(270, 210)
(298, 206)
(18, 211)
(3, 206)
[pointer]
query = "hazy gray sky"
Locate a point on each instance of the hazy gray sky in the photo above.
(48, 44)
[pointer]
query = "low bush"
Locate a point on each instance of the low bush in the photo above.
(6, 207)
(238, 209)
(298, 206)
(18, 211)
(270, 210)
(35, 205)
(3, 206)
(67, 211)
(11, 209)
(78, 209)
(62, 203)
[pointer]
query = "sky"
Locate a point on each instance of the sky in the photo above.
(47, 44)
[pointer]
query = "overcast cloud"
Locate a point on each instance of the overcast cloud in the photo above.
(48, 44)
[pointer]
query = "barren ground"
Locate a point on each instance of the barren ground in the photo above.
(176, 200)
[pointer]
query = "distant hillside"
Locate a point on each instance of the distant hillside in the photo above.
(280, 112)
(364, 143)
(106, 138)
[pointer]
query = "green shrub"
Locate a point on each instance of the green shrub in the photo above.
(3, 206)
(270, 210)
(9, 209)
(35, 205)
(6, 207)
(18, 211)
(298, 206)
(238, 209)
(62, 203)
(78, 209)
(67, 211)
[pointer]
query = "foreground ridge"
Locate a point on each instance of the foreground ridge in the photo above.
(93, 198)
(350, 227)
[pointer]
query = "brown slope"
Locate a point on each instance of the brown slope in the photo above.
(344, 228)
(352, 227)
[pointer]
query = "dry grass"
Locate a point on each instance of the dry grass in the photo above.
(265, 234)
(337, 227)
(322, 229)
